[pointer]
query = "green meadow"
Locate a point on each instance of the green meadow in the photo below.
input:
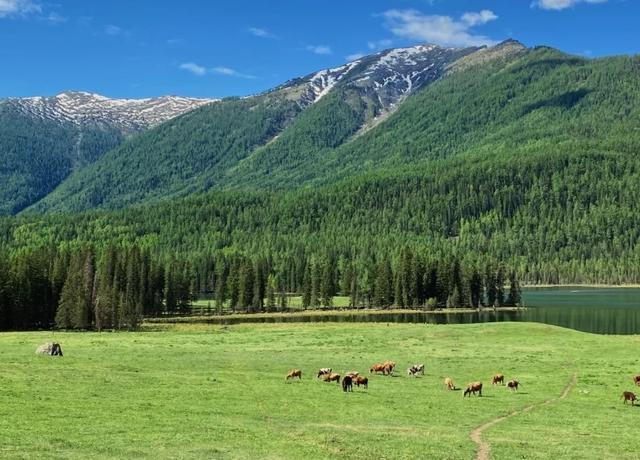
(203, 391)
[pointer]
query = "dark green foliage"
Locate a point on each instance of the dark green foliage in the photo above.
(190, 153)
(520, 171)
(529, 105)
(36, 155)
(515, 292)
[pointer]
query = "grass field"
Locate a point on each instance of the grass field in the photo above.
(293, 303)
(197, 391)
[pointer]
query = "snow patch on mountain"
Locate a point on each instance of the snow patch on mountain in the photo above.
(322, 82)
(88, 108)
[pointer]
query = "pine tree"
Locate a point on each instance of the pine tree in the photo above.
(245, 285)
(315, 284)
(272, 286)
(490, 286)
(327, 286)
(5, 293)
(170, 288)
(383, 287)
(475, 287)
(353, 291)
(105, 299)
(259, 287)
(500, 282)
(515, 292)
(306, 287)
(221, 285)
(72, 313)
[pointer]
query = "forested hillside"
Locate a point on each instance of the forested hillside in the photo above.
(180, 157)
(518, 104)
(44, 139)
(523, 167)
(269, 140)
(38, 154)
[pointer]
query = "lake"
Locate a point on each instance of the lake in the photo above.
(597, 310)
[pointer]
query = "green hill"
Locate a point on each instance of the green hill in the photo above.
(38, 154)
(522, 104)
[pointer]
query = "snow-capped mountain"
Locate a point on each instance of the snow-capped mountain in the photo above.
(127, 115)
(67, 141)
(45, 139)
(389, 76)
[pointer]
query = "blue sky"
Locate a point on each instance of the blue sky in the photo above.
(143, 48)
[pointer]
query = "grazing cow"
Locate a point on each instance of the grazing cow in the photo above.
(388, 369)
(448, 383)
(377, 368)
(472, 388)
(513, 384)
(347, 383)
(51, 348)
(293, 373)
(416, 369)
(498, 378)
(628, 396)
(333, 377)
(391, 364)
(636, 380)
(362, 380)
(324, 371)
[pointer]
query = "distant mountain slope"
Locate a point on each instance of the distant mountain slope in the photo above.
(305, 117)
(44, 139)
(504, 101)
(521, 104)
(126, 115)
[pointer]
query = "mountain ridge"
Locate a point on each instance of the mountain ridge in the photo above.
(306, 117)
(44, 139)
(129, 115)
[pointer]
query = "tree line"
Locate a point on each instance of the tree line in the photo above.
(116, 287)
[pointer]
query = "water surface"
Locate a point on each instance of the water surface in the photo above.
(601, 311)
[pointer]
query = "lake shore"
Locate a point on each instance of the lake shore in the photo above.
(576, 285)
(327, 312)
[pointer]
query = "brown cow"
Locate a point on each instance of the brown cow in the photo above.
(347, 383)
(333, 377)
(388, 369)
(448, 383)
(391, 364)
(513, 384)
(472, 388)
(498, 378)
(377, 368)
(352, 374)
(293, 373)
(362, 380)
(628, 396)
(324, 371)
(636, 380)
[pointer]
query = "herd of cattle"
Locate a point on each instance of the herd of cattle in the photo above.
(388, 367)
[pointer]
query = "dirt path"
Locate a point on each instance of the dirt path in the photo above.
(484, 449)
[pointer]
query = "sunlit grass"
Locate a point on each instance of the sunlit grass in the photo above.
(202, 391)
